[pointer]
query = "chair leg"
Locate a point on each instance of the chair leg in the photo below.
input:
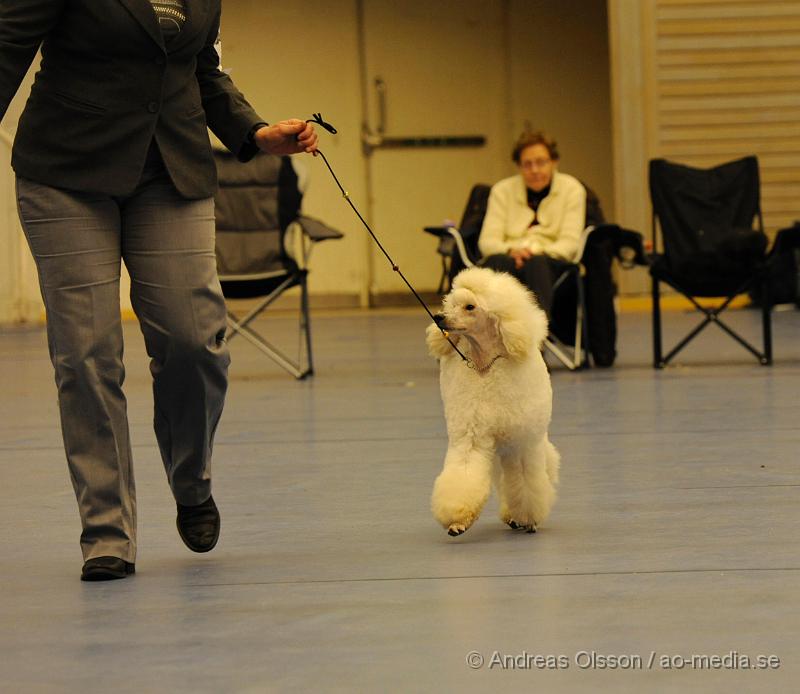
(711, 316)
(576, 357)
(581, 326)
(658, 361)
(552, 345)
(443, 279)
(766, 323)
(268, 348)
(305, 325)
(236, 326)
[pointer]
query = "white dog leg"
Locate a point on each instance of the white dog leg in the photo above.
(553, 462)
(497, 483)
(528, 492)
(462, 488)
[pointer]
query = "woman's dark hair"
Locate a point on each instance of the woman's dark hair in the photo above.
(528, 139)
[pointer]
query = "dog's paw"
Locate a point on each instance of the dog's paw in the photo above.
(456, 529)
(517, 526)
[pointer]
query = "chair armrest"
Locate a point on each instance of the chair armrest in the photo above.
(316, 230)
(455, 234)
(302, 235)
(628, 245)
(441, 232)
(786, 240)
(582, 241)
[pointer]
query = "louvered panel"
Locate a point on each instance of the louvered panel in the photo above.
(714, 41)
(727, 10)
(747, 131)
(785, 161)
(750, 56)
(777, 85)
(727, 85)
(733, 149)
(663, 4)
(781, 190)
(777, 206)
(749, 26)
(722, 103)
(729, 72)
(769, 174)
(782, 175)
(752, 116)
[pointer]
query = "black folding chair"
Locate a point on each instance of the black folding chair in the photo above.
(460, 250)
(263, 247)
(710, 248)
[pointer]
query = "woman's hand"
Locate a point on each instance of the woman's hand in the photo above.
(287, 137)
(520, 255)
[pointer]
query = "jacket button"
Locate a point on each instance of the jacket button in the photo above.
(152, 107)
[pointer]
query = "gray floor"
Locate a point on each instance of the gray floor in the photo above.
(675, 534)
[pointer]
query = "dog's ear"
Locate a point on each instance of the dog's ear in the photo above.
(523, 331)
(438, 346)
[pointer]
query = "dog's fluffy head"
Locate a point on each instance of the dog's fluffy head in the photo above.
(482, 301)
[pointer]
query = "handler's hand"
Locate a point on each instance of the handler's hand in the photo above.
(520, 255)
(287, 137)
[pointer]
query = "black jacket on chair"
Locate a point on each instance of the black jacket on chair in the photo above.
(108, 84)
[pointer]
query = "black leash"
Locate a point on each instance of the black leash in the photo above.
(327, 126)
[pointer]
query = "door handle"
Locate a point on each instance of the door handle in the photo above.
(378, 139)
(380, 90)
(371, 140)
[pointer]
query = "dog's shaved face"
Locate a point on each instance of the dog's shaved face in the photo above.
(464, 314)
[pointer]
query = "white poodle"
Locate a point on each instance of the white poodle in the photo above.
(497, 404)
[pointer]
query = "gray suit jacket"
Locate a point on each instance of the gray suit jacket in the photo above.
(108, 85)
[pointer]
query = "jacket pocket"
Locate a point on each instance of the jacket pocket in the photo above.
(77, 103)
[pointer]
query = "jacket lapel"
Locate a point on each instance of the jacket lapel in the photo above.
(197, 19)
(142, 12)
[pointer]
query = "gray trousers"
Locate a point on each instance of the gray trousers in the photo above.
(167, 242)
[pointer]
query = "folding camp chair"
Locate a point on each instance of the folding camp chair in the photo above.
(710, 248)
(569, 342)
(263, 247)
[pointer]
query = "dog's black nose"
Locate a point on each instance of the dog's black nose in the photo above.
(439, 319)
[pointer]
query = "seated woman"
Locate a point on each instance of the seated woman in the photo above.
(534, 220)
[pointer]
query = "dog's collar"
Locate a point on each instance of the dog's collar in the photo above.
(483, 369)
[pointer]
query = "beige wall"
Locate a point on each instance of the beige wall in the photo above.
(451, 67)
(559, 70)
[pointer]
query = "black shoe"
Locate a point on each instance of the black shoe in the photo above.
(198, 526)
(106, 569)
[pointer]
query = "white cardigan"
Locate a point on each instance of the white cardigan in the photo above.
(561, 216)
